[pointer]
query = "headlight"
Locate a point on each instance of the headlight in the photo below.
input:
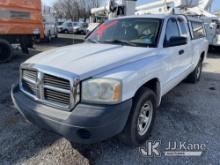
(104, 91)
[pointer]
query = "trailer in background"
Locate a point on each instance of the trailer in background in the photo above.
(20, 22)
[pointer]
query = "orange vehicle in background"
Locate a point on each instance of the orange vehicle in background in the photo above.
(20, 22)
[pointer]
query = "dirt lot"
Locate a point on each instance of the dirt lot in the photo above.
(189, 113)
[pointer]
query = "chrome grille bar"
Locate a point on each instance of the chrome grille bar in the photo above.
(56, 82)
(29, 80)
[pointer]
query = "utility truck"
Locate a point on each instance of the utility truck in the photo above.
(111, 9)
(20, 22)
(112, 83)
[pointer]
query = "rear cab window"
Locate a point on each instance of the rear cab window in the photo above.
(198, 30)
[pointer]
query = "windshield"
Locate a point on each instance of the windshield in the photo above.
(142, 32)
(59, 23)
(76, 24)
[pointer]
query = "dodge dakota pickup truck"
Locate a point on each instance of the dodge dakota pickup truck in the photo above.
(112, 83)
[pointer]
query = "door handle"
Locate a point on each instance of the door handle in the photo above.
(181, 52)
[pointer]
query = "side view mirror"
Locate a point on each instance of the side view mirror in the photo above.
(176, 41)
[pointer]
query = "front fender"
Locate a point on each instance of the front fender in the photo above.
(134, 75)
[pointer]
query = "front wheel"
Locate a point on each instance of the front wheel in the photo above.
(66, 31)
(141, 118)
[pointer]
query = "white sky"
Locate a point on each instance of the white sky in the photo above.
(216, 3)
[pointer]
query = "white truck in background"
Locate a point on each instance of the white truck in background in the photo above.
(111, 9)
(50, 23)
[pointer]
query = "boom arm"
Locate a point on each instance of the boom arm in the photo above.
(114, 8)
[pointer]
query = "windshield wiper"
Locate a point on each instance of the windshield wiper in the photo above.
(123, 42)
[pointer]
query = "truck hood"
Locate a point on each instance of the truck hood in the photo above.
(90, 59)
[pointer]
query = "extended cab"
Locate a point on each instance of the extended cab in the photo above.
(113, 83)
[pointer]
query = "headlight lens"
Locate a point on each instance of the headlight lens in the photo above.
(105, 91)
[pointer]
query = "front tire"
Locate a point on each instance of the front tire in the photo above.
(141, 118)
(66, 31)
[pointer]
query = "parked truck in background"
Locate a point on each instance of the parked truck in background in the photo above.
(50, 27)
(50, 23)
(20, 22)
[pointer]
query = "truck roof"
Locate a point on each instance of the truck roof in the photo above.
(162, 16)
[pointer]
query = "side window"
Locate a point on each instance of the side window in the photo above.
(198, 30)
(69, 24)
(172, 30)
(183, 26)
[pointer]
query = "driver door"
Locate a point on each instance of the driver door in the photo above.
(176, 56)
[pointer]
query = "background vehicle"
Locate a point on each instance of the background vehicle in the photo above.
(66, 27)
(59, 23)
(20, 22)
(59, 26)
(80, 27)
(111, 9)
(73, 27)
(50, 27)
(50, 24)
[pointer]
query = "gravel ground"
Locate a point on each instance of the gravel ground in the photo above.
(189, 113)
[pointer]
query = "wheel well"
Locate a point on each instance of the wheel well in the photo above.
(154, 85)
(202, 57)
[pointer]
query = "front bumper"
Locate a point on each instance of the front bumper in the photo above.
(85, 124)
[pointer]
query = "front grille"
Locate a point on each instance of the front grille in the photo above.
(56, 89)
(48, 88)
(29, 80)
(56, 82)
(57, 97)
(30, 75)
(31, 88)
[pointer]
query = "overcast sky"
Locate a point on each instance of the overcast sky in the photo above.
(216, 4)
